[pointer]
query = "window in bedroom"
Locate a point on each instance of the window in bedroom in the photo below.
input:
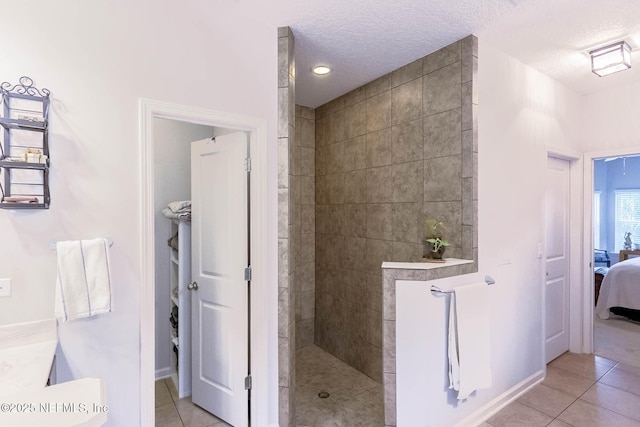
(596, 220)
(627, 216)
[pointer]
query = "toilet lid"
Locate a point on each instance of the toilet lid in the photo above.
(71, 404)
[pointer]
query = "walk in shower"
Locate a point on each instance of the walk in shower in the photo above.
(357, 177)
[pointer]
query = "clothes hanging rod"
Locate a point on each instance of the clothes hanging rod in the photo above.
(437, 291)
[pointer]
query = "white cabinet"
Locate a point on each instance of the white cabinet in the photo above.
(180, 311)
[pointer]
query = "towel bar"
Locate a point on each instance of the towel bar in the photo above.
(52, 243)
(437, 291)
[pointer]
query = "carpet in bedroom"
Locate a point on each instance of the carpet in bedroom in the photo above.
(617, 339)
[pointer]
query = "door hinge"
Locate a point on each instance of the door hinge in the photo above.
(247, 164)
(247, 382)
(247, 274)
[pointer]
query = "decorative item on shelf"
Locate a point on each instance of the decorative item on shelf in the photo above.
(628, 244)
(434, 240)
(33, 155)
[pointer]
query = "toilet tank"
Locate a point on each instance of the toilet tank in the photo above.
(26, 355)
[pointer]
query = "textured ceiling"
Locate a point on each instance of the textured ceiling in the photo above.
(364, 39)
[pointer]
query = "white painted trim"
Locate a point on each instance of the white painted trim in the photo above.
(588, 281)
(257, 128)
(495, 405)
(163, 373)
(577, 293)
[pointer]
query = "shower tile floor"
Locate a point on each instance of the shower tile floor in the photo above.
(355, 399)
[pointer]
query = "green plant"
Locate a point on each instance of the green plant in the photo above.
(435, 233)
(437, 243)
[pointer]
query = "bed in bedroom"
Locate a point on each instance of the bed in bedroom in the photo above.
(620, 291)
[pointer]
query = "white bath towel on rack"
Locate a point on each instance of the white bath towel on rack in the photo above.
(83, 285)
(469, 339)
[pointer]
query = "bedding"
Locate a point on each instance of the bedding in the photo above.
(620, 287)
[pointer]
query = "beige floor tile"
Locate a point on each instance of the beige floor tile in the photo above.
(162, 394)
(628, 368)
(558, 423)
(566, 381)
(517, 414)
(585, 414)
(547, 400)
(194, 416)
(586, 365)
(623, 380)
(617, 400)
(485, 424)
(172, 389)
(167, 416)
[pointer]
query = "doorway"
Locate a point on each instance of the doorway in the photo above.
(614, 184)
(256, 131)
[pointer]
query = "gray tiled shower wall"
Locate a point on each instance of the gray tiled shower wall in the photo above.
(388, 155)
(287, 182)
(305, 224)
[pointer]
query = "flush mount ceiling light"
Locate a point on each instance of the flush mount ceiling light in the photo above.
(321, 70)
(611, 58)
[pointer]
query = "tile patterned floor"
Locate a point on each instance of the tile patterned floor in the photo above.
(355, 399)
(580, 390)
(174, 412)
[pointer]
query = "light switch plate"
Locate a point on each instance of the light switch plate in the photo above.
(5, 287)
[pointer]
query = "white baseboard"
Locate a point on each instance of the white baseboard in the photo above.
(491, 408)
(163, 373)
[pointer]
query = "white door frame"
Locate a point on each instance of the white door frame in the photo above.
(257, 128)
(588, 283)
(576, 290)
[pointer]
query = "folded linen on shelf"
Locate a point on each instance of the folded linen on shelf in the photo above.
(180, 210)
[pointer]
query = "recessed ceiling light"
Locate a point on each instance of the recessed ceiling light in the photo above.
(321, 70)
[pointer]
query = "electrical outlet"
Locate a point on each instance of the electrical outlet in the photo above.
(5, 287)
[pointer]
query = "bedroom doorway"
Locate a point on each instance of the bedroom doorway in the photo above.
(615, 191)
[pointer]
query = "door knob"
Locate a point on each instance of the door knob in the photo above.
(193, 286)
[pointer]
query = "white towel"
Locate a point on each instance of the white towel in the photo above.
(469, 340)
(83, 286)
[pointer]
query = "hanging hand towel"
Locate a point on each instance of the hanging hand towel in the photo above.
(469, 339)
(83, 286)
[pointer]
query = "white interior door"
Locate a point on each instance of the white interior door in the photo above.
(219, 257)
(557, 261)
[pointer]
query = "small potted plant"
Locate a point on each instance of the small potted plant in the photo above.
(434, 240)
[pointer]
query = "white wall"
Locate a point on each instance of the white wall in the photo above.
(172, 166)
(521, 111)
(98, 58)
(611, 120)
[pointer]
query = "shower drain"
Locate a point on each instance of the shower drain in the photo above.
(323, 395)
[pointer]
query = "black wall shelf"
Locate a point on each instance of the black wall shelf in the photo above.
(24, 151)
